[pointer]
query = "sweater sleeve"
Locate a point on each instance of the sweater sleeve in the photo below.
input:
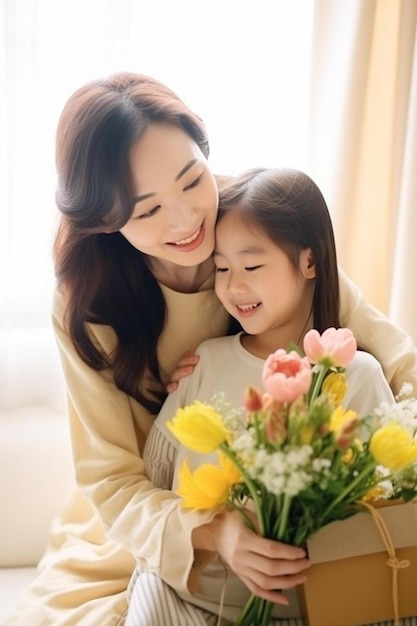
(108, 429)
(367, 386)
(374, 332)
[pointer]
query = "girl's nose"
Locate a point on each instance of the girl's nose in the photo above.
(237, 285)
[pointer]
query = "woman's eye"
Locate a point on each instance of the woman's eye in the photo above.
(252, 268)
(194, 183)
(221, 270)
(143, 216)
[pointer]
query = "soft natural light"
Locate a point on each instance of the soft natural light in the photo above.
(244, 68)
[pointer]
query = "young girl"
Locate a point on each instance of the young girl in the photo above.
(135, 275)
(276, 273)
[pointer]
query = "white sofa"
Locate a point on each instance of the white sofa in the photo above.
(35, 459)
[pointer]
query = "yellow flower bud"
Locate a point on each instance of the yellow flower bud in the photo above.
(335, 385)
(355, 446)
(306, 435)
(393, 447)
(339, 418)
(375, 493)
(199, 427)
(344, 425)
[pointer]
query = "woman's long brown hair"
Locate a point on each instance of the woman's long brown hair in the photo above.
(105, 279)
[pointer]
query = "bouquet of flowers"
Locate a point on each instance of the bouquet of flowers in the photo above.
(295, 452)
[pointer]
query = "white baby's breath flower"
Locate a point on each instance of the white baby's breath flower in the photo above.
(297, 482)
(245, 441)
(386, 488)
(299, 457)
(282, 472)
(403, 412)
(274, 483)
(233, 418)
(319, 465)
(245, 448)
(406, 391)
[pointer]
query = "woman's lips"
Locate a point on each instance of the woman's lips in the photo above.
(190, 243)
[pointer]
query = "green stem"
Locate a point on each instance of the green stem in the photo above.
(249, 612)
(250, 485)
(244, 515)
(314, 392)
(268, 608)
(347, 490)
(284, 517)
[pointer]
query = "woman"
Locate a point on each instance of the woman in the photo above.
(135, 291)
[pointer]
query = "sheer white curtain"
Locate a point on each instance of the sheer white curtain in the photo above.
(363, 148)
(244, 67)
(328, 86)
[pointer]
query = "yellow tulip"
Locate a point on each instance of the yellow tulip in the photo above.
(339, 418)
(199, 427)
(229, 469)
(344, 425)
(207, 487)
(393, 447)
(335, 385)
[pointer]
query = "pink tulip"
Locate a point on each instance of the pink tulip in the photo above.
(286, 375)
(335, 347)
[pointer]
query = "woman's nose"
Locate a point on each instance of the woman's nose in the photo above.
(181, 215)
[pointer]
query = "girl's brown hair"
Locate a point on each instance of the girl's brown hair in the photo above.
(288, 207)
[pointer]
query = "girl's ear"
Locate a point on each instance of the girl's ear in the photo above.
(307, 264)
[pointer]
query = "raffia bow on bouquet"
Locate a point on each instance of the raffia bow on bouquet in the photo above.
(294, 451)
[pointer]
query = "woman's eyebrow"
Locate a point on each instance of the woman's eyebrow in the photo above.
(185, 169)
(144, 196)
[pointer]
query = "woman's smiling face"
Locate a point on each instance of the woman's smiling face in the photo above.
(176, 198)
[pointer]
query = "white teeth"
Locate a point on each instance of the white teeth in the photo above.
(182, 242)
(247, 307)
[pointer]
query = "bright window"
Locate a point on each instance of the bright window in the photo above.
(244, 67)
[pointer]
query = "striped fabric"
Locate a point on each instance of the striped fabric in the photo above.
(153, 603)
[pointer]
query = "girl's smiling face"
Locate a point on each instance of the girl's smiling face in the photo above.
(257, 283)
(176, 198)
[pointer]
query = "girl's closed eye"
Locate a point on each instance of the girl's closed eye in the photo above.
(221, 269)
(253, 267)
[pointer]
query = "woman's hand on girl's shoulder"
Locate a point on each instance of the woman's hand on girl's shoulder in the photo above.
(185, 367)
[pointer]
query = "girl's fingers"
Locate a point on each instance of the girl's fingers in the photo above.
(269, 568)
(266, 576)
(274, 595)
